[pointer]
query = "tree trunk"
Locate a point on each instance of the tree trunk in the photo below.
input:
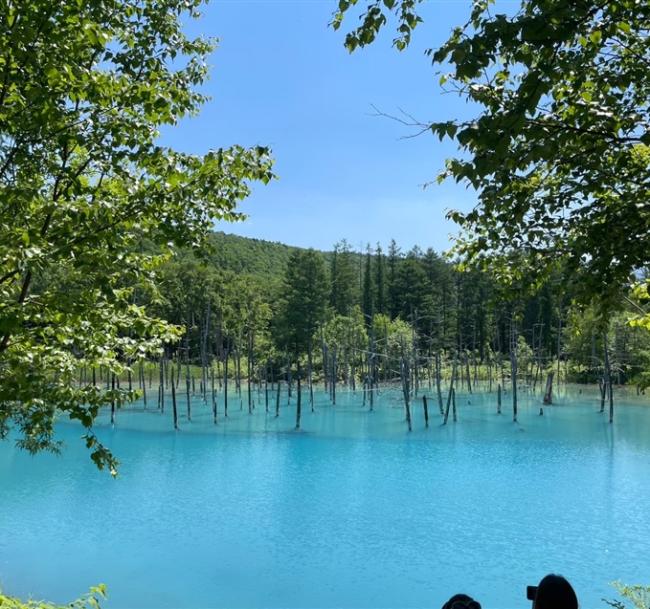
(513, 369)
(608, 380)
(405, 373)
(426, 411)
(112, 398)
(451, 392)
(174, 410)
(225, 384)
(499, 398)
(309, 376)
(298, 397)
(438, 387)
(548, 394)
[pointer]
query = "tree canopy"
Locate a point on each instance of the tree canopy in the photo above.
(558, 151)
(85, 186)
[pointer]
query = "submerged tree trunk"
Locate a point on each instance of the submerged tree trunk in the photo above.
(266, 387)
(513, 369)
(298, 397)
(225, 384)
(608, 379)
(112, 398)
(426, 410)
(333, 380)
(499, 398)
(406, 390)
(548, 394)
(161, 388)
(174, 410)
(451, 391)
(309, 376)
(213, 395)
(438, 387)
(467, 372)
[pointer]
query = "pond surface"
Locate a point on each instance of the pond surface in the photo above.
(350, 512)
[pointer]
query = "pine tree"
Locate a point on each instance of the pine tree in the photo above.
(393, 287)
(368, 291)
(380, 281)
(305, 298)
(344, 294)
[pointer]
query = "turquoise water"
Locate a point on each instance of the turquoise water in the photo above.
(352, 511)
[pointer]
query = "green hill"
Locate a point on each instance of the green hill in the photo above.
(257, 257)
(263, 259)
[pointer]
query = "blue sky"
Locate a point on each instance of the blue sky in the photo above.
(281, 77)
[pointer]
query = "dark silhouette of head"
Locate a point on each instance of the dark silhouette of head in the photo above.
(555, 592)
(461, 601)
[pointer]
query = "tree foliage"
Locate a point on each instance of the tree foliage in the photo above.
(304, 305)
(84, 88)
(558, 151)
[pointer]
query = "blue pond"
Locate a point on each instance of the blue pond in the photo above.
(351, 512)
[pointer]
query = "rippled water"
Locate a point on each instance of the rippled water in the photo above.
(352, 511)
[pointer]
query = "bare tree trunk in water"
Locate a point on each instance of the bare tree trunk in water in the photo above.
(426, 410)
(513, 368)
(161, 398)
(451, 390)
(113, 398)
(309, 376)
(213, 394)
(174, 411)
(548, 394)
(225, 383)
(499, 398)
(266, 387)
(608, 379)
(467, 372)
(333, 381)
(298, 397)
(405, 373)
(438, 389)
(144, 385)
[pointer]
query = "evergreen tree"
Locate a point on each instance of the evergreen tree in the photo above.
(380, 281)
(368, 291)
(344, 293)
(393, 287)
(305, 300)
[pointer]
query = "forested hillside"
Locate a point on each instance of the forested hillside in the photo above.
(263, 259)
(276, 302)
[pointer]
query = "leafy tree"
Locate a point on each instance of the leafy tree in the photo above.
(559, 150)
(348, 334)
(395, 335)
(85, 88)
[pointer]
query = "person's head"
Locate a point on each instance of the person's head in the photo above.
(461, 601)
(555, 592)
